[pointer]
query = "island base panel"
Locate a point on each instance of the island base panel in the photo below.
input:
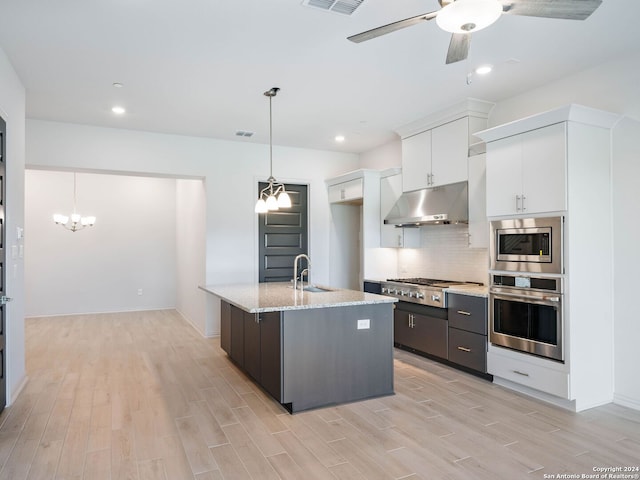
(327, 360)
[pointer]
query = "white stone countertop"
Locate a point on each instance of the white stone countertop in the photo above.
(276, 297)
(473, 290)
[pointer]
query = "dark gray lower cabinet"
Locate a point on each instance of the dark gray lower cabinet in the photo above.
(225, 326)
(271, 354)
(237, 335)
(457, 335)
(425, 333)
(468, 331)
(468, 349)
(254, 343)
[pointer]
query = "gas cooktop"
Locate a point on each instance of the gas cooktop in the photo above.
(425, 291)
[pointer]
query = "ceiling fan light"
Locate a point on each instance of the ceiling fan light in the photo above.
(465, 16)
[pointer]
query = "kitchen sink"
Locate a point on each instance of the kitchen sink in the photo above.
(314, 289)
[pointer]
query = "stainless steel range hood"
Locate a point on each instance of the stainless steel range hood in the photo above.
(437, 205)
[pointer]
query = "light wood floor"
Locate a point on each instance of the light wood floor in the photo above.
(143, 396)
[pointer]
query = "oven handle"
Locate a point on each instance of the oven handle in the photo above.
(522, 297)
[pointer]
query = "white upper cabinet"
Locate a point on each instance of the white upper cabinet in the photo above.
(416, 161)
(436, 157)
(449, 151)
(351, 191)
(435, 148)
(527, 172)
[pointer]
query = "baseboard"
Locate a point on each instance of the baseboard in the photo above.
(15, 393)
(146, 309)
(626, 401)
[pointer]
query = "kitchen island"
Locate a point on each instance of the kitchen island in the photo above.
(309, 349)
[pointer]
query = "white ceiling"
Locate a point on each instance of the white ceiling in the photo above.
(199, 67)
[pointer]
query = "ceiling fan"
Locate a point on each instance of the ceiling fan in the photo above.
(462, 17)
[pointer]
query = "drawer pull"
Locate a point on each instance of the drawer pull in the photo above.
(462, 312)
(521, 373)
(464, 349)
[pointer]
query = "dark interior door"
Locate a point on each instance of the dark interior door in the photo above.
(282, 236)
(3, 270)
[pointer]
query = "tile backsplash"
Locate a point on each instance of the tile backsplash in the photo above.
(444, 254)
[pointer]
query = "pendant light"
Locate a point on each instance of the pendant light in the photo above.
(274, 196)
(78, 222)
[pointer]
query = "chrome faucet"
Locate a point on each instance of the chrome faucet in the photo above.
(295, 271)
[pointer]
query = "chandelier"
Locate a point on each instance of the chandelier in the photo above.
(274, 195)
(78, 222)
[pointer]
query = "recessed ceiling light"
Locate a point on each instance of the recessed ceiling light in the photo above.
(484, 69)
(339, 138)
(118, 110)
(117, 85)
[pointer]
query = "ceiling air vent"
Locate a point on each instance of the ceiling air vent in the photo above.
(243, 133)
(345, 7)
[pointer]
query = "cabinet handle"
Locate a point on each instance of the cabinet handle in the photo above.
(517, 203)
(521, 373)
(462, 312)
(399, 239)
(464, 349)
(523, 199)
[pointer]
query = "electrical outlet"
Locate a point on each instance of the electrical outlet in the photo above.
(139, 291)
(364, 324)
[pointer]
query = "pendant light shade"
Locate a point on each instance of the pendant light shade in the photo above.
(274, 196)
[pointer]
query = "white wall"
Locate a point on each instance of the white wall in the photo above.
(191, 232)
(100, 269)
(12, 109)
(385, 156)
(231, 171)
(626, 231)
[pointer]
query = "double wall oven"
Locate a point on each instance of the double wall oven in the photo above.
(527, 286)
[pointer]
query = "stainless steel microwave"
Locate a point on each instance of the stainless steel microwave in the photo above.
(532, 245)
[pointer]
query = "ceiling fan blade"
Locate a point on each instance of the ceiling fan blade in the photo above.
(564, 9)
(392, 27)
(458, 47)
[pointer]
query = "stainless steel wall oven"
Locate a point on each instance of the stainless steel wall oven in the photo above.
(531, 245)
(526, 314)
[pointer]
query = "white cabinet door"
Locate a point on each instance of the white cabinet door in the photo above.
(347, 192)
(527, 173)
(478, 224)
(416, 161)
(544, 171)
(449, 151)
(390, 236)
(504, 176)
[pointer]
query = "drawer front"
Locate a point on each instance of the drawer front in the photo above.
(534, 376)
(467, 313)
(468, 349)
